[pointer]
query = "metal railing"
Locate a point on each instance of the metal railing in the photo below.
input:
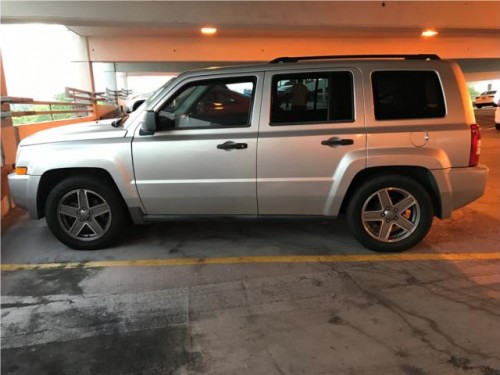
(14, 108)
(85, 97)
(113, 96)
(16, 113)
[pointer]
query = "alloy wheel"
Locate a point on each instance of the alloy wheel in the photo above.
(390, 215)
(84, 215)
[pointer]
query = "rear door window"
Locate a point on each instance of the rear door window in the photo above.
(309, 98)
(402, 95)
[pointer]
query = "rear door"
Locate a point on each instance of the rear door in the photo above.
(312, 134)
(202, 159)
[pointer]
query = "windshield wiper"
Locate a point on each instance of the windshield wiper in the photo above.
(120, 121)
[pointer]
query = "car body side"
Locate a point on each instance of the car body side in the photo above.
(434, 152)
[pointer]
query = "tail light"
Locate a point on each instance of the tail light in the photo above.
(475, 145)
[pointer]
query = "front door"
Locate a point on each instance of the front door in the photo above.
(201, 161)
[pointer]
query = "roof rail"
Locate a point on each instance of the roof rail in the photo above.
(333, 57)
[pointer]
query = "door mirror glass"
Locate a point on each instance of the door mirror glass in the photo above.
(148, 126)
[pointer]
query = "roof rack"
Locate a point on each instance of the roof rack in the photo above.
(332, 57)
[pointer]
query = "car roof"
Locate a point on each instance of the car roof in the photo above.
(391, 61)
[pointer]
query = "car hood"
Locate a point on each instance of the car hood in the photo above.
(77, 132)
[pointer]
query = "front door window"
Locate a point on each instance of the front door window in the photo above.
(210, 104)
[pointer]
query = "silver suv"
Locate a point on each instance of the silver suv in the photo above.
(390, 141)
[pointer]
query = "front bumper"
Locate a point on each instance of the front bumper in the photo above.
(23, 190)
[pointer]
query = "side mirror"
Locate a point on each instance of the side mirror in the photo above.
(148, 126)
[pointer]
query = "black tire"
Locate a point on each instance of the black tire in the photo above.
(401, 224)
(84, 213)
(497, 126)
(478, 106)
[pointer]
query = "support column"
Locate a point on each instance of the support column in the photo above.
(122, 80)
(104, 76)
(10, 139)
(10, 134)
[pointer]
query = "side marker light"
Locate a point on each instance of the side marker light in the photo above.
(21, 171)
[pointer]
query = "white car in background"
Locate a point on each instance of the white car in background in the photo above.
(491, 97)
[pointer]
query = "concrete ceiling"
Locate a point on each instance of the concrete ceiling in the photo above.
(468, 30)
(261, 19)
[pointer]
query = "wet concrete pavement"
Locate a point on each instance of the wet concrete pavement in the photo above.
(340, 317)
(405, 317)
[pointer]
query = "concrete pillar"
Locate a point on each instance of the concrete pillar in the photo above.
(82, 77)
(10, 134)
(122, 80)
(10, 138)
(104, 76)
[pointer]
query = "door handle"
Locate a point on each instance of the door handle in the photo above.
(230, 145)
(337, 142)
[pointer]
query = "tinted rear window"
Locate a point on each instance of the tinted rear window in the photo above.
(401, 95)
(311, 98)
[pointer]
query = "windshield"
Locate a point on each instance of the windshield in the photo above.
(156, 94)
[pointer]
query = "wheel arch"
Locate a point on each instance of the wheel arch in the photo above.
(420, 174)
(52, 177)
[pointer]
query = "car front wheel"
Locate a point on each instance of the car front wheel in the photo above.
(85, 214)
(390, 213)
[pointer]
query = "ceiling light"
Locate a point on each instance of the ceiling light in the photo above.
(429, 32)
(208, 30)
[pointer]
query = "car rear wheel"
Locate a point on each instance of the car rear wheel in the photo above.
(85, 214)
(390, 213)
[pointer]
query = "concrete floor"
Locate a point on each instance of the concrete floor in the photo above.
(350, 315)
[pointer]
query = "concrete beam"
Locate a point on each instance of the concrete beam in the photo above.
(254, 15)
(160, 49)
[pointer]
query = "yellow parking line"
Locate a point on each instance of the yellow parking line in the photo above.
(257, 259)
